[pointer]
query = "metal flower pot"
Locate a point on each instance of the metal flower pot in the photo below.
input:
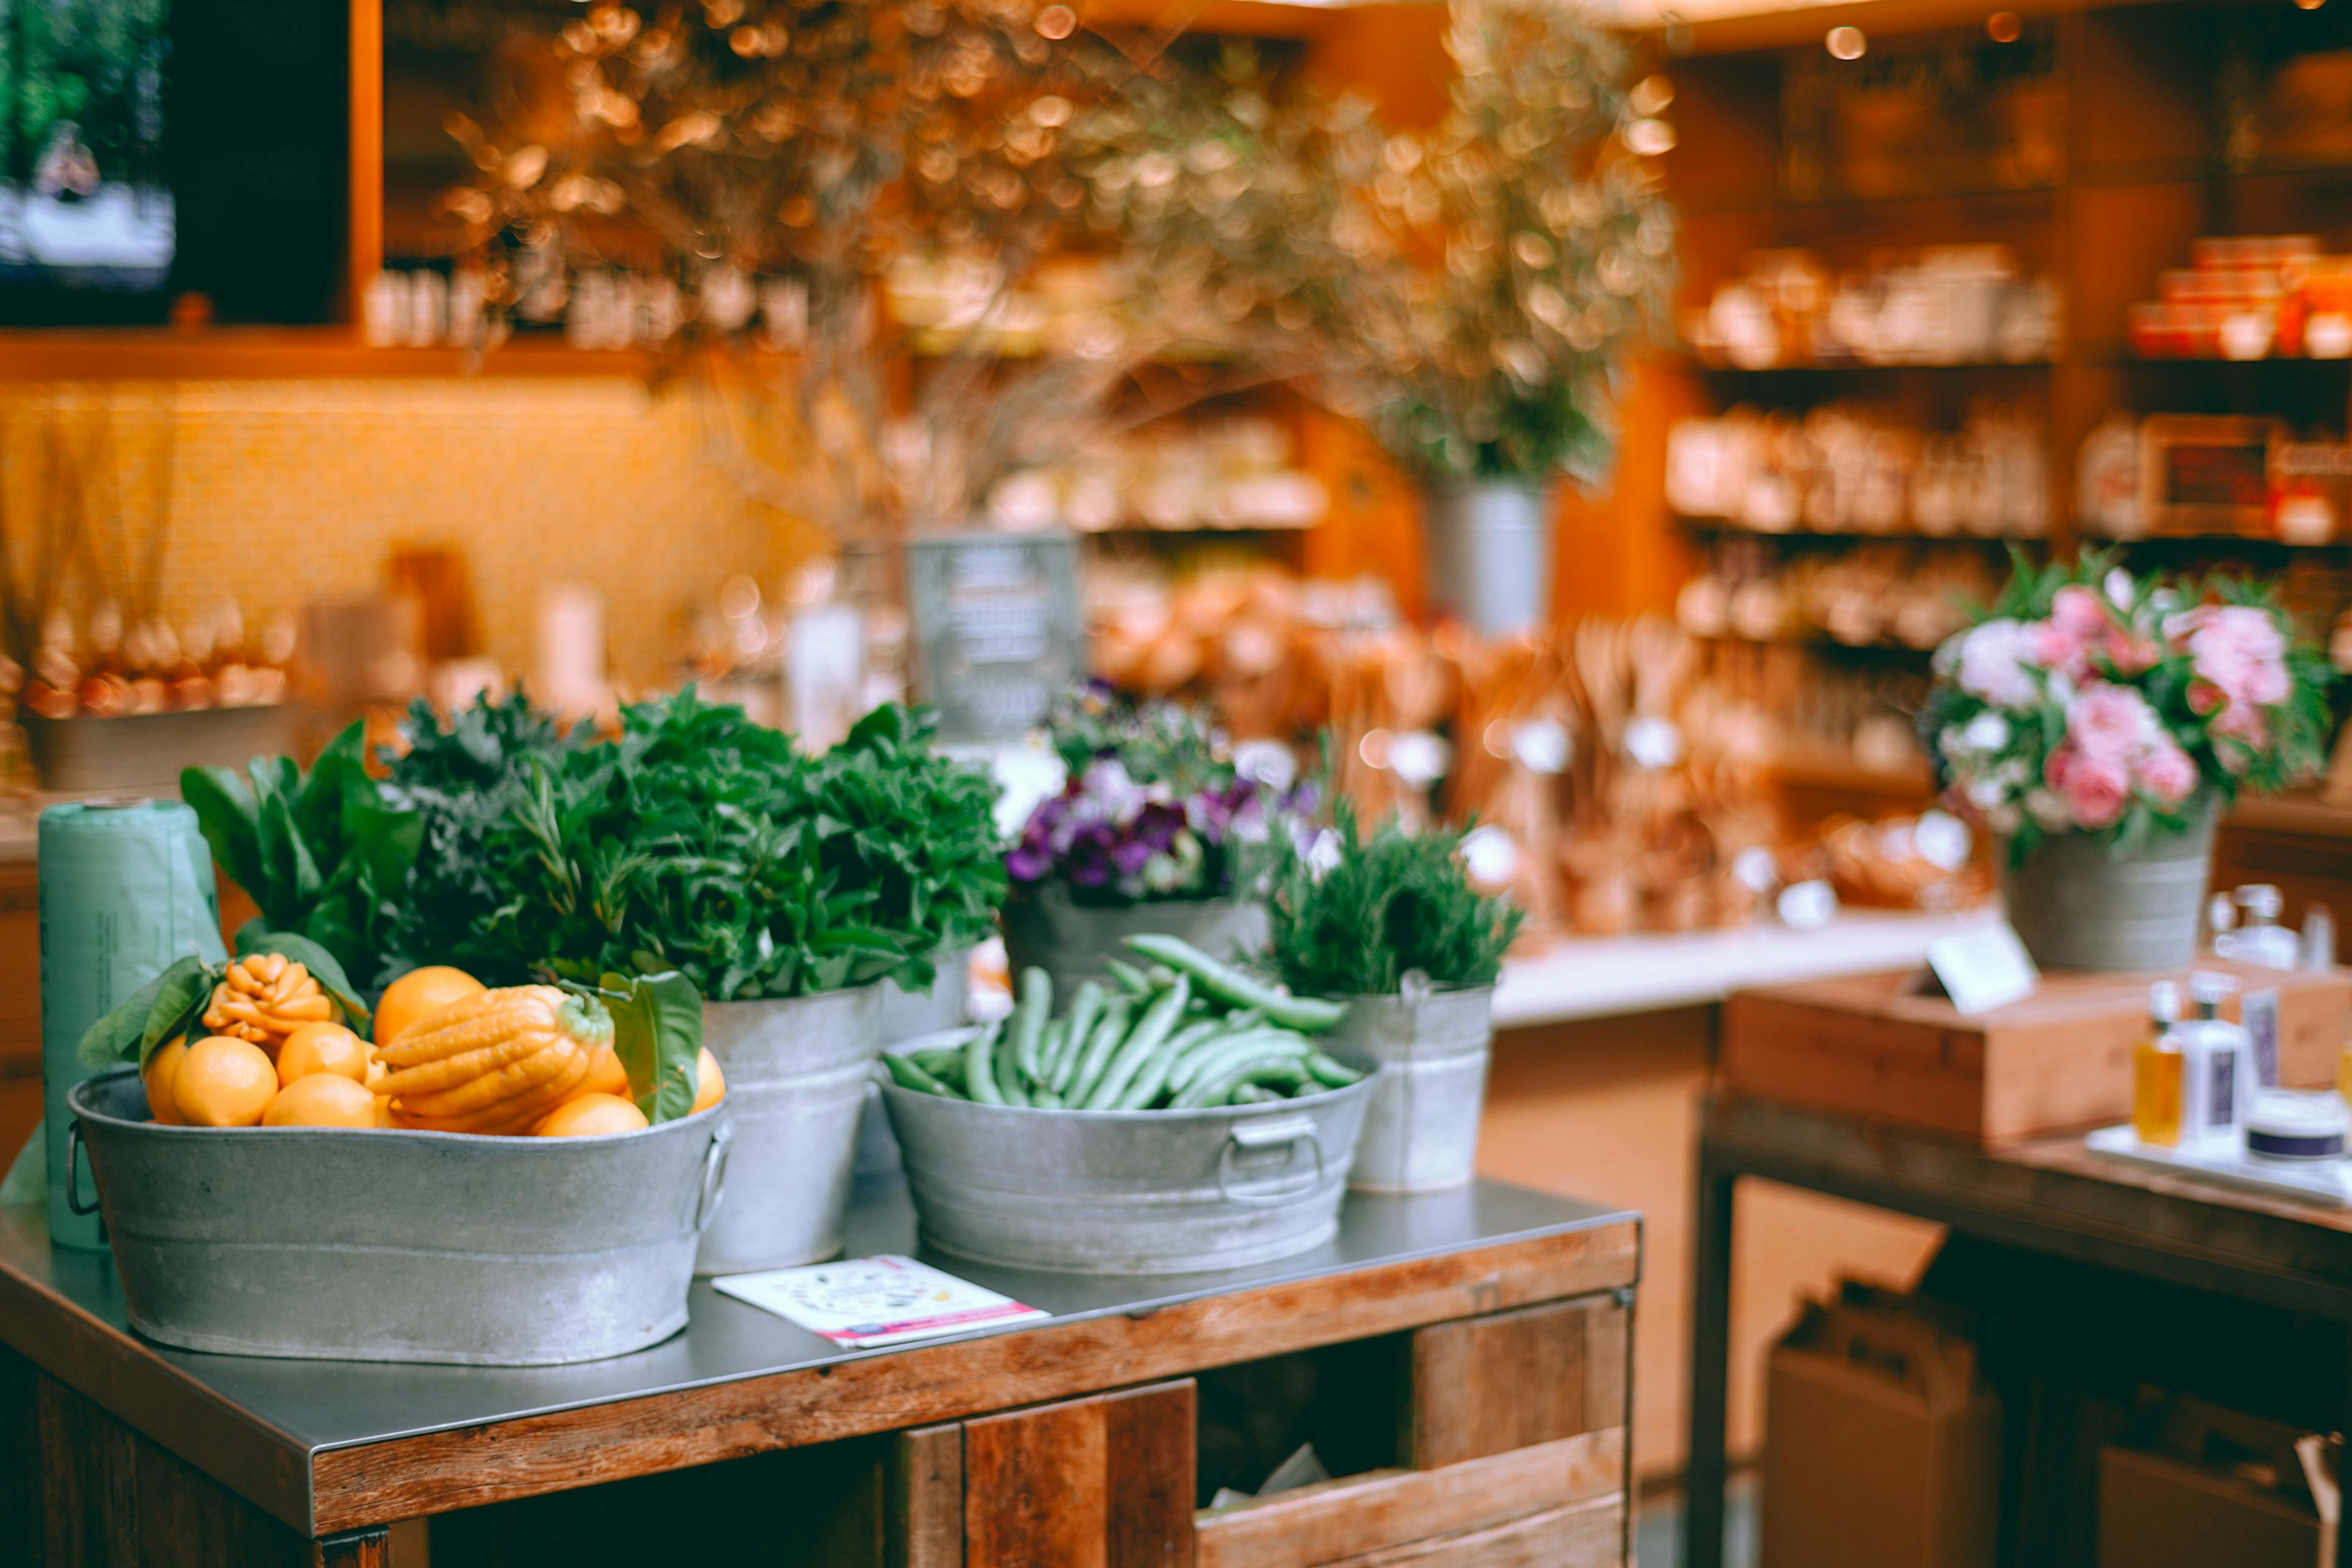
(1127, 1192)
(907, 1013)
(1489, 552)
(1045, 927)
(391, 1245)
(1420, 1129)
(796, 1076)
(2076, 906)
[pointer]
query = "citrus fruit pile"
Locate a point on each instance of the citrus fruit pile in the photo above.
(449, 1055)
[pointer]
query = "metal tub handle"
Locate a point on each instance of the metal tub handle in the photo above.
(1269, 1132)
(73, 1170)
(714, 1175)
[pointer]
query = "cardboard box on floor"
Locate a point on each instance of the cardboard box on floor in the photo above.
(2218, 1486)
(1882, 1447)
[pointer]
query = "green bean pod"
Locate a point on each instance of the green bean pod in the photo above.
(1008, 1073)
(1217, 1088)
(979, 1068)
(1331, 1071)
(1027, 1029)
(1151, 1036)
(938, 1061)
(1206, 1059)
(1049, 1051)
(909, 1074)
(1130, 979)
(1222, 980)
(1101, 1049)
(1086, 1012)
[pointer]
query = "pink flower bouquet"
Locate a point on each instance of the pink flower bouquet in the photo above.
(2088, 701)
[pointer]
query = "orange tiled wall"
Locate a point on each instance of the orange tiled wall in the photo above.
(284, 491)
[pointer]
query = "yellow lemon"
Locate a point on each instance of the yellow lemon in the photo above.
(222, 1082)
(587, 1115)
(321, 1100)
(157, 1075)
(418, 995)
(322, 1048)
(709, 1083)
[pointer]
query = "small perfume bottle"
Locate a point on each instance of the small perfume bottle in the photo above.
(2259, 938)
(2157, 1070)
(2214, 1062)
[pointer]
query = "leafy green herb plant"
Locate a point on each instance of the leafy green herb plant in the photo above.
(326, 855)
(1352, 916)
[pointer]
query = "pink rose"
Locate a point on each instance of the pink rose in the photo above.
(1989, 662)
(2096, 789)
(2239, 648)
(2110, 722)
(2241, 722)
(2165, 774)
(2076, 611)
(2132, 655)
(2055, 647)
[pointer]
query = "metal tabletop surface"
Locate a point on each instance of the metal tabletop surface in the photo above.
(322, 1404)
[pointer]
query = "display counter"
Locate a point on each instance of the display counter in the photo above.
(1464, 1357)
(1601, 1048)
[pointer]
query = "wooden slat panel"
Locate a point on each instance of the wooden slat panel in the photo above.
(110, 1499)
(1510, 1380)
(354, 1549)
(1105, 1482)
(438, 1471)
(1034, 1489)
(1151, 1456)
(22, 1538)
(923, 1526)
(1387, 1508)
(1588, 1535)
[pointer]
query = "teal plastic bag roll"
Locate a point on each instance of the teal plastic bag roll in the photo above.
(126, 888)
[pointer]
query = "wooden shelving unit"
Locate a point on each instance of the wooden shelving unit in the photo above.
(2096, 151)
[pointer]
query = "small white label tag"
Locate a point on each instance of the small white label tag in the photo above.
(1983, 969)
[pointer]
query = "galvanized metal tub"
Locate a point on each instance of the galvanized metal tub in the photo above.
(2076, 907)
(1421, 1130)
(1045, 927)
(1127, 1192)
(796, 1076)
(368, 1244)
(907, 1013)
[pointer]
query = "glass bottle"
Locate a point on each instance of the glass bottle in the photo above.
(2155, 1069)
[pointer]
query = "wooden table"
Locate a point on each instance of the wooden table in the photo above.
(2047, 1195)
(1470, 1350)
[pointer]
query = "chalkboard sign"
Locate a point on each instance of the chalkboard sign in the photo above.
(2207, 474)
(997, 628)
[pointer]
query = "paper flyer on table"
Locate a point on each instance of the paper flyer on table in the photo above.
(864, 1302)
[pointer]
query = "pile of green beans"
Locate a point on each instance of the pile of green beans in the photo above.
(1175, 1031)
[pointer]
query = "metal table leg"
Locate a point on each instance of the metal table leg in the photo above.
(1710, 1369)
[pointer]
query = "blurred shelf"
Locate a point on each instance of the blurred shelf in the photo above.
(2306, 812)
(236, 353)
(1838, 768)
(1822, 642)
(1194, 530)
(1855, 535)
(1863, 367)
(1799, 206)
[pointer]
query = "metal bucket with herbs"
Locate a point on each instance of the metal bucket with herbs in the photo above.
(1392, 923)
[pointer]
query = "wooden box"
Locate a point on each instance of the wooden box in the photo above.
(1891, 1049)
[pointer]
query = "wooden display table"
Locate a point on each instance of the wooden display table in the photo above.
(1468, 1351)
(2045, 1195)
